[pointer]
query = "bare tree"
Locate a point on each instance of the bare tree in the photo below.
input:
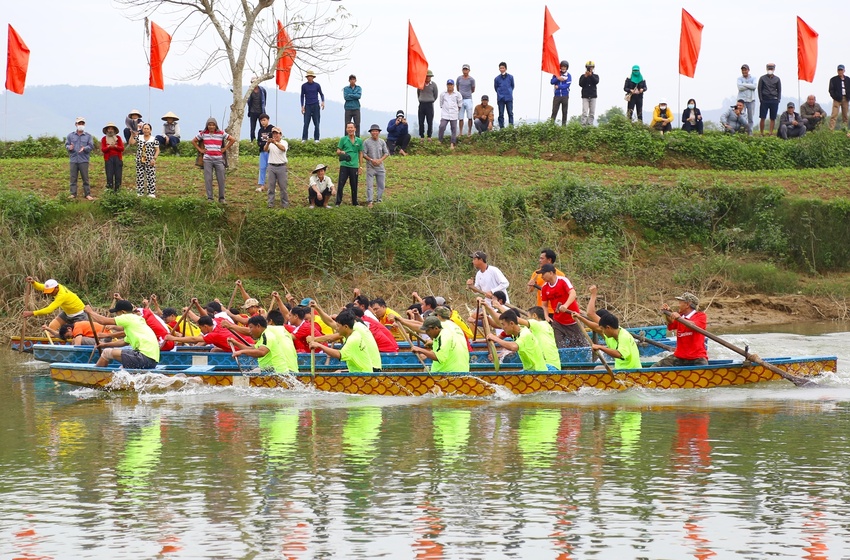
(240, 36)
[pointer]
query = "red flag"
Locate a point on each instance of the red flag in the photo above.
(417, 64)
(689, 44)
(160, 43)
(807, 51)
(17, 61)
(286, 60)
(551, 63)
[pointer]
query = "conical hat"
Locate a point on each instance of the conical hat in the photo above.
(170, 115)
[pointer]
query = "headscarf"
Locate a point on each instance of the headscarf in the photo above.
(211, 120)
(636, 76)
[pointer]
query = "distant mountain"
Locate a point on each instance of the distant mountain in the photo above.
(51, 110)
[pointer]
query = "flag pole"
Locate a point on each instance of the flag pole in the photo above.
(540, 99)
(679, 98)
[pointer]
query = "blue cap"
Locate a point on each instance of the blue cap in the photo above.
(306, 302)
(452, 82)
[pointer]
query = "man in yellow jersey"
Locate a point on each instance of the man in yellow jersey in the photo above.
(143, 349)
(386, 316)
(354, 352)
(540, 328)
(273, 346)
(70, 304)
(523, 343)
(619, 343)
(448, 352)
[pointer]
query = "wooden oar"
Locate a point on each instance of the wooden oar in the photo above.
(27, 289)
(655, 343)
(232, 350)
(597, 353)
(798, 381)
(96, 338)
(232, 297)
(490, 344)
(403, 329)
(49, 338)
(477, 317)
(312, 350)
(521, 312)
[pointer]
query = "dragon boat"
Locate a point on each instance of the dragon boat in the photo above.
(482, 381)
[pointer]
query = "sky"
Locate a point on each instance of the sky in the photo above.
(92, 42)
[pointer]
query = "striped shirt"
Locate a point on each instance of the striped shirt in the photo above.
(213, 143)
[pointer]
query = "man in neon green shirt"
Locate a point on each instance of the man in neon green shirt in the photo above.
(71, 305)
(524, 343)
(355, 352)
(619, 343)
(143, 349)
(448, 352)
(274, 347)
(539, 327)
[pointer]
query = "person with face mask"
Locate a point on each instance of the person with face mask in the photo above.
(662, 117)
(79, 145)
(634, 87)
(770, 92)
(692, 118)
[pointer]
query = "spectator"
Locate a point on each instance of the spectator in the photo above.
(427, 96)
(662, 117)
(588, 82)
(170, 132)
(483, 115)
(770, 92)
(504, 86)
(147, 151)
(375, 151)
(112, 147)
(735, 119)
(692, 118)
(79, 145)
(351, 93)
(812, 113)
(256, 106)
(321, 188)
(791, 124)
(466, 87)
(264, 134)
(561, 100)
(839, 91)
(747, 93)
(397, 134)
(450, 105)
(215, 143)
(311, 92)
(277, 172)
(350, 152)
(635, 87)
(133, 123)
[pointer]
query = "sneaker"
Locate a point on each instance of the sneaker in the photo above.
(151, 195)
(303, 141)
(312, 206)
(260, 189)
(315, 141)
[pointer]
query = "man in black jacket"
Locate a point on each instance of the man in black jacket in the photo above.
(588, 82)
(839, 90)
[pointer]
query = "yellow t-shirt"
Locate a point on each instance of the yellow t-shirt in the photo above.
(356, 354)
(70, 303)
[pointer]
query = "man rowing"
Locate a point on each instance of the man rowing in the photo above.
(211, 333)
(690, 345)
(619, 343)
(524, 343)
(360, 327)
(354, 352)
(70, 305)
(143, 349)
(448, 350)
(273, 345)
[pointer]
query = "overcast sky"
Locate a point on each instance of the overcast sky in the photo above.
(91, 42)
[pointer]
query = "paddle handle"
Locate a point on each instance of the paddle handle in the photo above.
(798, 381)
(232, 350)
(490, 344)
(312, 350)
(598, 353)
(403, 329)
(27, 290)
(477, 317)
(232, 297)
(655, 343)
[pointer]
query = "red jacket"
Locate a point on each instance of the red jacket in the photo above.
(112, 151)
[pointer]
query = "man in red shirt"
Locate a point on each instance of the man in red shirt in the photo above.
(211, 333)
(559, 292)
(690, 345)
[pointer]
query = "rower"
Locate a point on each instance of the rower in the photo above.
(690, 345)
(523, 343)
(619, 343)
(448, 351)
(355, 352)
(70, 305)
(273, 348)
(143, 349)
(359, 326)
(211, 333)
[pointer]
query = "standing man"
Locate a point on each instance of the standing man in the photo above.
(397, 134)
(278, 172)
(215, 143)
(311, 92)
(375, 151)
(747, 93)
(483, 115)
(535, 283)
(263, 137)
(770, 92)
(256, 106)
(559, 292)
(351, 93)
(466, 87)
(350, 152)
(635, 87)
(562, 83)
(504, 86)
(450, 105)
(488, 279)
(791, 124)
(79, 145)
(839, 90)
(427, 96)
(69, 304)
(812, 113)
(690, 345)
(588, 82)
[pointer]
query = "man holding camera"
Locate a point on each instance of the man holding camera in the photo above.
(350, 152)
(397, 134)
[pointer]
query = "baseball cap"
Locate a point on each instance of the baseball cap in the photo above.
(440, 300)
(465, 67)
(430, 323)
(745, 67)
(399, 113)
(443, 312)
(122, 305)
(690, 299)
(485, 97)
(79, 120)
(50, 285)
(841, 67)
(450, 82)
(790, 104)
(479, 255)
(251, 302)
(305, 302)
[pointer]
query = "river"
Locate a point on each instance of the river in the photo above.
(203, 472)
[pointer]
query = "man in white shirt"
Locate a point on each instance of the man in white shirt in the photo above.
(450, 103)
(277, 172)
(488, 278)
(747, 93)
